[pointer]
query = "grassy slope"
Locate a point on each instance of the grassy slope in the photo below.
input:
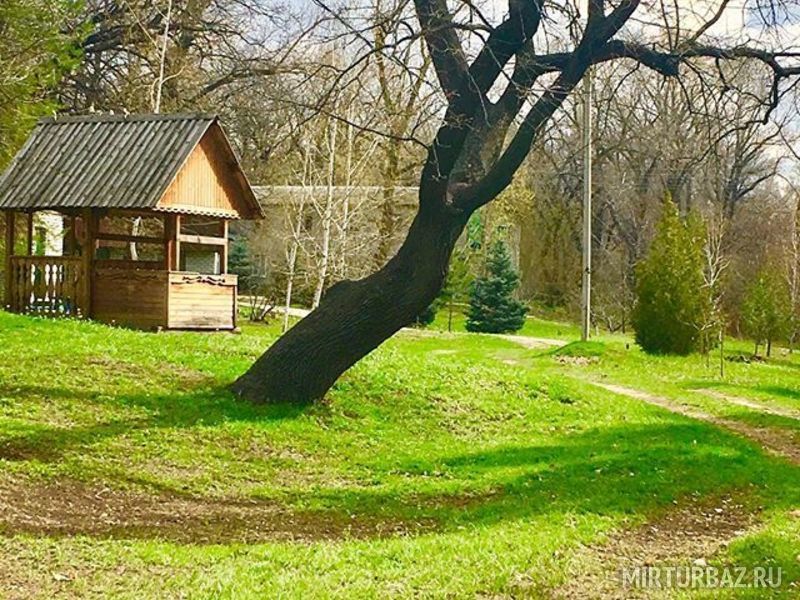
(513, 466)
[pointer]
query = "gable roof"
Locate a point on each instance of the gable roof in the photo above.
(113, 161)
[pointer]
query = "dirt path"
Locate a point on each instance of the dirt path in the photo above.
(533, 343)
(687, 535)
(747, 403)
(775, 441)
(67, 508)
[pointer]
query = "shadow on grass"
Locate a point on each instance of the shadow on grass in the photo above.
(628, 469)
(208, 407)
(784, 392)
(771, 390)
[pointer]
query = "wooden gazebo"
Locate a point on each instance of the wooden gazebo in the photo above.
(139, 206)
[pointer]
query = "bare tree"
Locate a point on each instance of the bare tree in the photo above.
(502, 86)
(177, 54)
(712, 327)
(295, 217)
(402, 81)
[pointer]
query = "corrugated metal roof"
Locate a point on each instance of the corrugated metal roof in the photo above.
(100, 161)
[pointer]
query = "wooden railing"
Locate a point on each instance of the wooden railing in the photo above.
(47, 285)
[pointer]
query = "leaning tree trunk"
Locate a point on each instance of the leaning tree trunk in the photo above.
(355, 317)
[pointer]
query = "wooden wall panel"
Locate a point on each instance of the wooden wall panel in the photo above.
(206, 182)
(176, 300)
(202, 301)
(133, 298)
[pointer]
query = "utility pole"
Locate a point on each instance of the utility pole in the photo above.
(586, 287)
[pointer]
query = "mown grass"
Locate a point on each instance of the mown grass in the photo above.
(508, 458)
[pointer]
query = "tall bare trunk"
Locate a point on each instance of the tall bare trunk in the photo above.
(297, 229)
(327, 217)
(344, 230)
(794, 277)
(162, 60)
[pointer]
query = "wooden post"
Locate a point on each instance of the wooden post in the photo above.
(175, 259)
(172, 230)
(30, 233)
(89, 247)
(169, 241)
(71, 241)
(9, 254)
(223, 267)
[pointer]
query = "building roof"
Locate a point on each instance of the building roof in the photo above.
(277, 195)
(116, 161)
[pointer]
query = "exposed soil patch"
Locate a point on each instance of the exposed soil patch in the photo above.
(775, 441)
(533, 343)
(687, 535)
(68, 508)
(18, 450)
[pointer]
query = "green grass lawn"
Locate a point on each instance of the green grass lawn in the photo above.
(442, 465)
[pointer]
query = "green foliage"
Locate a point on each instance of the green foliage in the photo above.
(459, 277)
(671, 297)
(492, 308)
(474, 230)
(767, 307)
(35, 54)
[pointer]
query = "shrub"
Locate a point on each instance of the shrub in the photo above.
(671, 296)
(427, 316)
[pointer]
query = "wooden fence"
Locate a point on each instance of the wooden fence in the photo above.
(47, 285)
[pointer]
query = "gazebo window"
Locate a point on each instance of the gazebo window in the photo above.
(130, 251)
(132, 225)
(131, 238)
(204, 241)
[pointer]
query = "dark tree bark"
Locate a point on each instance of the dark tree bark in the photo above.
(468, 165)
(354, 317)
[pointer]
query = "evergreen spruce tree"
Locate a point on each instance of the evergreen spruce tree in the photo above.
(671, 296)
(492, 308)
(767, 308)
(239, 264)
